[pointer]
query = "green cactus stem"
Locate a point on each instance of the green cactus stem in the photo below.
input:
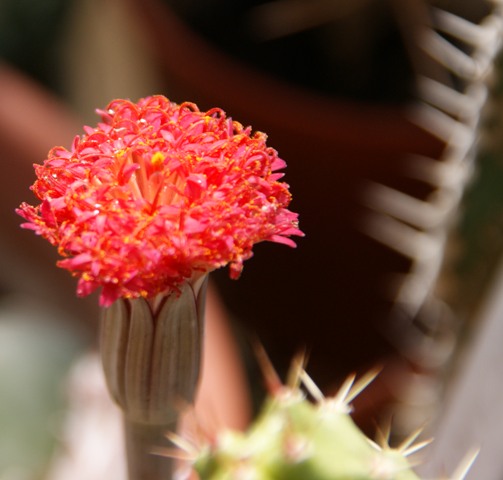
(295, 439)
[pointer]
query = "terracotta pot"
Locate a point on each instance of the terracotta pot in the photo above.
(329, 294)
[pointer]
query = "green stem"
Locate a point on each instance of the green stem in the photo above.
(142, 440)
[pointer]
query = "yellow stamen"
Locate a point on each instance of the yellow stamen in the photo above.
(157, 159)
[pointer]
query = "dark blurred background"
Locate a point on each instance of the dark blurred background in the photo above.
(335, 86)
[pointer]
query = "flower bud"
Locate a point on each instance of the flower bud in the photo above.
(151, 357)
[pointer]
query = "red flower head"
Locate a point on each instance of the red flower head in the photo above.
(159, 194)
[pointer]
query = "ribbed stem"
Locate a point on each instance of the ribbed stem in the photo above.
(141, 440)
(151, 354)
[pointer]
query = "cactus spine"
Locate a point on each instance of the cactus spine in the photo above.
(296, 439)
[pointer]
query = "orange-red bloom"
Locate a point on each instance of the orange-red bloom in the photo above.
(159, 194)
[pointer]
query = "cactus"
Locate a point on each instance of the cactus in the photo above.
(294, 438)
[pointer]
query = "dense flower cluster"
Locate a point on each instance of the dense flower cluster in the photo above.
(158, 194)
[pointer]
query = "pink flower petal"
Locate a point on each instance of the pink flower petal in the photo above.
(156, 194)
